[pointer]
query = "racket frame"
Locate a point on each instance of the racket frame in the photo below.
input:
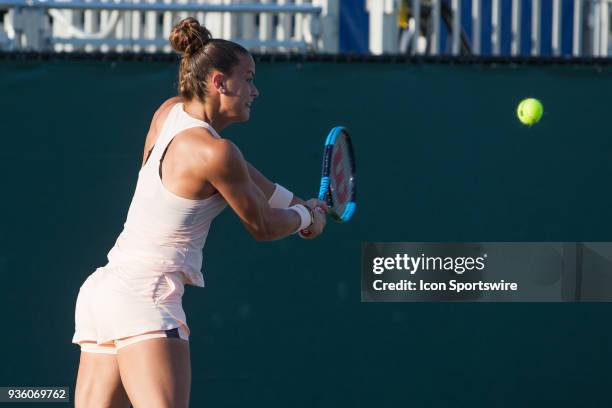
(324, 190)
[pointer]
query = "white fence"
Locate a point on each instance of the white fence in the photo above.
(590, 26)
(313, 25)
(145, 25)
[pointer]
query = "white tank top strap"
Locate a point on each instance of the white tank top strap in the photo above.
(185, 121)
(164, 137)
(177, 121)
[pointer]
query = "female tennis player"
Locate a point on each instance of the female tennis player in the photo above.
(130, 323)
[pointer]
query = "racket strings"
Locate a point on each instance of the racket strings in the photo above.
(340, 175)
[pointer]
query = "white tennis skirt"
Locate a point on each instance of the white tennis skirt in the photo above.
(114, 304)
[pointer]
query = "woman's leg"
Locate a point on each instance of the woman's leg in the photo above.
(98, 383)
(156, 373)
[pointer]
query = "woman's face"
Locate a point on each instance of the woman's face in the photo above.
(240, 91)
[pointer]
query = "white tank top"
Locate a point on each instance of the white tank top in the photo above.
(165, 232)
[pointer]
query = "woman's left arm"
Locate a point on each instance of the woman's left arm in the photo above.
(267, 186)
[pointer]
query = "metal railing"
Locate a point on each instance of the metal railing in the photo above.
(135, 25)
(432, 27)
(427, 20)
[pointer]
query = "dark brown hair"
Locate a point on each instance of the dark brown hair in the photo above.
(201, 55)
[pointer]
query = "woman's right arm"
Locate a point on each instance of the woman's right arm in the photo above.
(228, 172)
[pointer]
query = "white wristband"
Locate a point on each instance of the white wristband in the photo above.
(281, 197)
(305, 216)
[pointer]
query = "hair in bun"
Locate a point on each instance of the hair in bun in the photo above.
(188, 36)
(201, 55)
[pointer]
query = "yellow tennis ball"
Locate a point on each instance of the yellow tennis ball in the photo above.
(530, 111)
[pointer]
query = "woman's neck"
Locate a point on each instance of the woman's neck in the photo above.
(206, 112)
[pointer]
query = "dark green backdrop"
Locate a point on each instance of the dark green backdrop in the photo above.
(441, 157)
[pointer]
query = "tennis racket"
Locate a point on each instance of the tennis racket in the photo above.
(338, 179)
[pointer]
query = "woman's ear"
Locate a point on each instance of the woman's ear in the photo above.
(218, 81)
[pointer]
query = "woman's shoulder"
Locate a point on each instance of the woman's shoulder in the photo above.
(200, 140)
(201, 150)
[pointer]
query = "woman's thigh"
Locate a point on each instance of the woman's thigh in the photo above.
(156, 372)
(99, 383)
